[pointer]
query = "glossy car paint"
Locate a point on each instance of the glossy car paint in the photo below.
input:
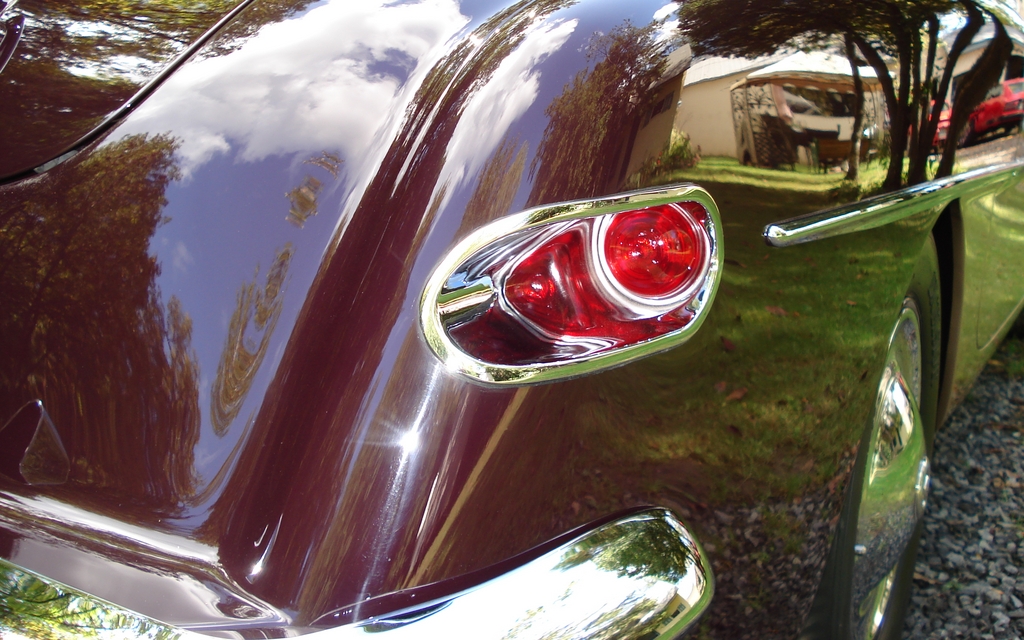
(217, 304)
(69, 68)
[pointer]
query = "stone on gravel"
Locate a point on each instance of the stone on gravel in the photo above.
(968, 579)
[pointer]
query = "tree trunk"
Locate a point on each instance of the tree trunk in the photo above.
(853, 162)
(975, 20)
(918, 105)
(899, 118)
(983, 75)
(892, 106)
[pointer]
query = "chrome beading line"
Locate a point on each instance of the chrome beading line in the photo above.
(883, 209)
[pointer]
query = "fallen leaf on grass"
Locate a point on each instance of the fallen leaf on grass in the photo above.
(728, 344)
(736, 395)
(720, 387)
(776, 311)
(851, 303)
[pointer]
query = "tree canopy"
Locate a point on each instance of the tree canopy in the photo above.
(887, 33)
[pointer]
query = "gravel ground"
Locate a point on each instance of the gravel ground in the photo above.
(969, 578)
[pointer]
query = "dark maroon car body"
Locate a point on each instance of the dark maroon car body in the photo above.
(211, 281)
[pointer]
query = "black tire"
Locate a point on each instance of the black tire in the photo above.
(832, 614)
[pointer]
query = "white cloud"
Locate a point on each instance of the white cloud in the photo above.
(499, 103)
(326, 79)
(181, 259)
(665, 11)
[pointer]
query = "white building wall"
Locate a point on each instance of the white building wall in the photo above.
(652, 138)
(705, 113)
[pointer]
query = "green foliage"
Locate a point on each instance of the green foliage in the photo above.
(584, 135)
(883, 31)
(644, 552)
(1012, 356)
(32, 608)
(85, 328)
(678, 154)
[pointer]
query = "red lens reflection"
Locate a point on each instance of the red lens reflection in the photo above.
(556, 305)
(653, 252)
(551, 287)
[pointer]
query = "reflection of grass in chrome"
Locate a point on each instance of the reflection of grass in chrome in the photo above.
(800, 181)
(808, 326)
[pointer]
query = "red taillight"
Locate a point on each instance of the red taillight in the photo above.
(575, 289)
(550, 289)
(654, 253)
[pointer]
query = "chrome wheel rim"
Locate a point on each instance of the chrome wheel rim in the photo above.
(896, 479)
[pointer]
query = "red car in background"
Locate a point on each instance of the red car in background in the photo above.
(1002, 109)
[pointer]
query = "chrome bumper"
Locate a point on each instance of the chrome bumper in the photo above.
(642, 576)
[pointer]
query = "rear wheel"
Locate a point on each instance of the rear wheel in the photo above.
(894, 487)
(868, 579)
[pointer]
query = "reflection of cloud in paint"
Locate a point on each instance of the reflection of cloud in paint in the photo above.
(182, 259)
(665, 11)
(505, 97)
(327, 79)
(668, 30)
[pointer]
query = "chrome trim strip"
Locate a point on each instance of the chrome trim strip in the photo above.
(879, 210)
(643, 575)
(460, 362)
(121, 112)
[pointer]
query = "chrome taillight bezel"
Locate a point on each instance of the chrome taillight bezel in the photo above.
(437, 303)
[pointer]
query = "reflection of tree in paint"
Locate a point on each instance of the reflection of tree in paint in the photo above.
(880, 30)
(84, 328)
(304, 197)
(499, 180)
(78, 61)
(651, 551)
(585, 143)
(256, 312)
(647, 554)
(394, 215)
(31, 608)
